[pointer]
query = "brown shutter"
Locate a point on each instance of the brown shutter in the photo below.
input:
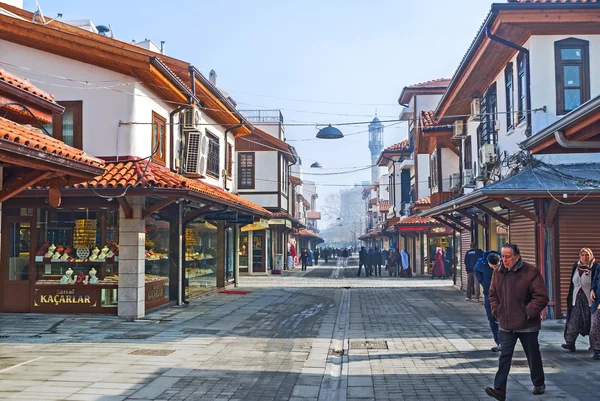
(577, 228)
(465, 245)
(523, 233)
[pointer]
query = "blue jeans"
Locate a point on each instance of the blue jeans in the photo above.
(493, 321)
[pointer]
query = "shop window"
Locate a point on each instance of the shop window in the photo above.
(510, 117)
(243, 250)
(68, 127)
(433, 177)
(79, 248)
(246, 166)
(200, 258)
(156, 266)
(468, 153)
(214, 153)
(489, 109)
(572, 66)
(158, 138)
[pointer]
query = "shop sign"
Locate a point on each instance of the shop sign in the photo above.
(62, 297)
(441, 230)
(264, 222)
(228, 215)
(155, 291)
(244, 220)
(284, 222)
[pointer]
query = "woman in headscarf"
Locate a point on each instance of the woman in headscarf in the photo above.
(595, 298)
(438, 267)
(579, 319)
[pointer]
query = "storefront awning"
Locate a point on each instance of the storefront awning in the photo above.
(253, 227)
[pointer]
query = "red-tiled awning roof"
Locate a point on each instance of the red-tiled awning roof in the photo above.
(416, 220)
(295, 180)
(436, 86)
(123, 174)
(24, 84)
(426, 201)
(434, 83)
(35, 140)
(428, 118)
(308, 233)
(397, 146)
(384, 205)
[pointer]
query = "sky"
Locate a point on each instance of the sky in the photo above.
(317, 61)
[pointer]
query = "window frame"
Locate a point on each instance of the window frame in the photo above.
(242, 170)
(509, 84)
(214, 155)
(159, 122)
(468, 153)
(433, 171)
(522, 87)
(584, 71)
(75, 106)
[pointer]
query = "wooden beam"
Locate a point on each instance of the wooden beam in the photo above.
(473, 218)
(495, 215)
(156, 207)
(19, 183)
(551, 214)
(457, 222)
(521, 210)
(444, 222)
(126, 207)
(196, 213)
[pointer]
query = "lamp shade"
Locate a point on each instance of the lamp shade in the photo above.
(316, 165)
(329, 132)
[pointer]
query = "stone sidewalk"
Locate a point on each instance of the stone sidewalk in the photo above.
(297, 337)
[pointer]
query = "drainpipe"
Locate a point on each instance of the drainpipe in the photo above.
(180, 259)
(527, 72)
(565, 143)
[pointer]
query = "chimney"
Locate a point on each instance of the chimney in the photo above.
(212, 77)
(163, 47)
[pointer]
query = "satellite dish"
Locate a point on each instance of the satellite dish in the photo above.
(103, 30)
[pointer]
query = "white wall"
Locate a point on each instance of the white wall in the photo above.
(427, 102)
(449, 166)
(266, 171)
(423, 178)
(262, 200)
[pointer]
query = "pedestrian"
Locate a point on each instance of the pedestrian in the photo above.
(310, 258)
(371, 261)
(471, 258)
(316, 254)
(345, 257)
(326, 253)
(304, 258)
(579, 299)
(377, 261)
(483, 270)
(448, 258)
(384, 257)
(595, 297)
(362, 261)
(438, 267)
(518, 295)
(405, 260)
(393, 262)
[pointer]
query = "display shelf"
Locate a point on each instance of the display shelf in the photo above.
(42, 260)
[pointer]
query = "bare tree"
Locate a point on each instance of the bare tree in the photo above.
(347, 211)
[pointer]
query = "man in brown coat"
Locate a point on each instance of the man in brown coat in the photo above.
(518, 295)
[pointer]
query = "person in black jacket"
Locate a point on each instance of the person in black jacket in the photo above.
(304, 258)
(471, 258)
(316, 254)
(362, 261)
(371, 261)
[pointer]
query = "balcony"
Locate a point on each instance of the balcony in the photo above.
(263, 116)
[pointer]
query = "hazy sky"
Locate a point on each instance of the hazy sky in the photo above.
(316, 61)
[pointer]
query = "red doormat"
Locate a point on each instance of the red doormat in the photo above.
(276, 272)
(237, 292)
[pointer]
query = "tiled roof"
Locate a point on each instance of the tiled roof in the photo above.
(308, 233)
(435, 83)
(424, 201)
(397, 146)
(384, 205)
(120, 175)
(416, 220)
(427, 116)
(24, 84)
(29, 138)
(295, 180)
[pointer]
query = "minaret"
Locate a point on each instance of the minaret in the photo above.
(376, 146)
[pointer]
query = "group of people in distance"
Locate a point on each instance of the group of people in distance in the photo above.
(396, 263)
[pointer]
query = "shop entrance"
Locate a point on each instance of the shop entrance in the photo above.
(16, 258)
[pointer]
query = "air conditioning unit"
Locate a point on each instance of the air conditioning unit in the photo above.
(191, 118)
(468, 178)
(488, 154)
(476, 109)
(196, 154)
(454, 181)
(459, 129)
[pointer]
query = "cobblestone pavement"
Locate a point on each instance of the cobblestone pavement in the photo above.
(318, 335)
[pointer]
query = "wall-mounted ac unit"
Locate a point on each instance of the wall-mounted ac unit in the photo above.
(488, 154)
(196, 153)
(191, 118)
(459, 129)
(468, 178)
(476, 109)
(454, 181)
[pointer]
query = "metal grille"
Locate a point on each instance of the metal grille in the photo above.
(368, 345)
(152, 352)
(200, 331)
(128, 336)
(193, 152)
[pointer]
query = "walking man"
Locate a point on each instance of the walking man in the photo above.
(304, 258)
(518, 295)
(471, 258)
(345, 257)
(316, 254)
(377, 261)
(362, 261)
(484, 270)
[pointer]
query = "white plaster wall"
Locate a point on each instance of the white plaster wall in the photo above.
(266, 171)
(449, 166)
(427, 102)
(262, 200)
(423, 178)
(384, 184)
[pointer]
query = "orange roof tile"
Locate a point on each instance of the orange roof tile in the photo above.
(435, 83)
(416, 220)
(295, 180)
(123, 174)
(398, 146)
(24, 84)
(428, 118)
(308, 233)
(384, 205)
(27, 137)
(424, 201)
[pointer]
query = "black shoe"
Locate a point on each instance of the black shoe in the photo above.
(539, 390)
(596, 355)
(570, 347)
(495, 393)
(496, 348)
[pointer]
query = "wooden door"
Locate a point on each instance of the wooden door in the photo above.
(17, 250)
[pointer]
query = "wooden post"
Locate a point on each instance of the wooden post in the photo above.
(221, 249)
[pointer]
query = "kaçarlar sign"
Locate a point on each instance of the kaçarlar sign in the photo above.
(52, 297)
